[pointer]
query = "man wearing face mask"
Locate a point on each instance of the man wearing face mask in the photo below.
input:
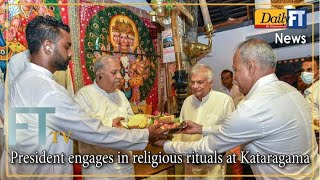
(311, 78)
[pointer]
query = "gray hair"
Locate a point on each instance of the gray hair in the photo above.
(258, 51)
(203, 69)
(99, 62)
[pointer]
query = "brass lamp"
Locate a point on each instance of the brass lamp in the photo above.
(159, 7)
(153, 15)
(195, 50)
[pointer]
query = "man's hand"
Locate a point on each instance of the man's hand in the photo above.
(156, 133)
(192, 128)
(116, 122)
(159, 143)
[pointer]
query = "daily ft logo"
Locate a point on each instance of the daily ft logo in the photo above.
(280, 18)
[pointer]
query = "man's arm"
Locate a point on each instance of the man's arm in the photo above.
(70, 117)
(241, 127)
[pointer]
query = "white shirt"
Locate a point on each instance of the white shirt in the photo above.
(312, 95)
(273, 119)
(234, 92)
(210, 111)
(18, 62)
(104, 106)
(34, 87)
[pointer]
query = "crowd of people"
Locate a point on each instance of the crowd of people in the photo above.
(258, 113)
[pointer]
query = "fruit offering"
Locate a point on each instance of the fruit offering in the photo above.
(140, 121)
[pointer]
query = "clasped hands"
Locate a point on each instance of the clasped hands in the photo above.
(189, 128)
(158, 136)
(155, 132)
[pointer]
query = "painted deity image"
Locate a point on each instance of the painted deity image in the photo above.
(14, 20)
(124, 36)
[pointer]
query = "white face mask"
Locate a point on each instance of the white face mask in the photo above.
(307, 77)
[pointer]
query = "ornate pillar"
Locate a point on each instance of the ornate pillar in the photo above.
(190, 35)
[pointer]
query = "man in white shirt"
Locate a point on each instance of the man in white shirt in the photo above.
(15, 66)
(311, 78)
(18, 62)
(208, 108)
(229, 88)
(49, 44)
(273, 121)
(104, 101)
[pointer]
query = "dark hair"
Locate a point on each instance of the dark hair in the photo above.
(43, 28)
(227, 71)
(309, 59)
